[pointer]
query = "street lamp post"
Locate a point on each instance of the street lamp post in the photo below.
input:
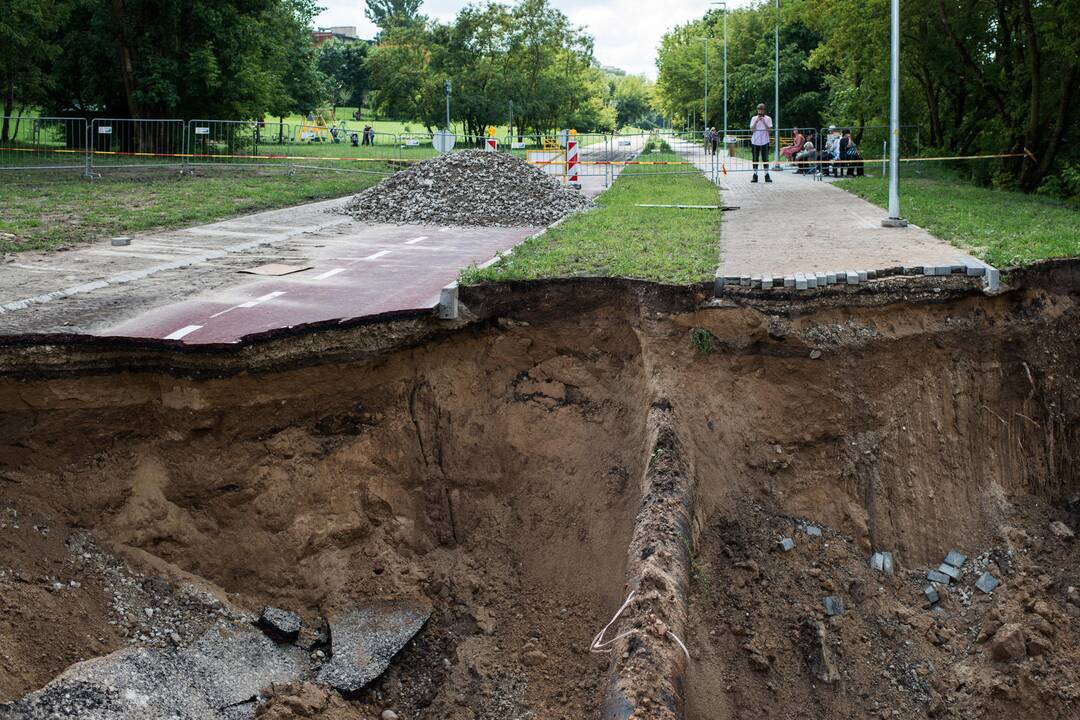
(776, 87)
(723, 9)
(706, 39)
(448, 104)
(894, 219)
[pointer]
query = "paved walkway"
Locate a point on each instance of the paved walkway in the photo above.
(796, 224)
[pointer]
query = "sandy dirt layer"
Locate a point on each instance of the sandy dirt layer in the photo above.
(496, 473)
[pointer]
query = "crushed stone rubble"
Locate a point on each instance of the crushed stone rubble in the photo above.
(472, 187)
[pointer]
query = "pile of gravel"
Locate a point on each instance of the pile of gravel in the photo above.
(472, 187)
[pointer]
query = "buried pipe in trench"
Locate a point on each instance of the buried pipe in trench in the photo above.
(648, 666)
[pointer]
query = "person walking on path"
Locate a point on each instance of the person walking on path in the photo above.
(760, 125)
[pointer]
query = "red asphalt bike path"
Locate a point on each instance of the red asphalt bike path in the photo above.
(362, 271)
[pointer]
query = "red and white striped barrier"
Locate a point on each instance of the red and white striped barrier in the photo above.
(571, 161)
(492, 144)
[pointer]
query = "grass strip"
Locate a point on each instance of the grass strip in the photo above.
(44, 214)
(1002, 227)
(617, 239)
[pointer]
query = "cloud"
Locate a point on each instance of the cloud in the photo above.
(627, 32)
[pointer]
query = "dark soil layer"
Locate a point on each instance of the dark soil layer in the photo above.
(495, 468)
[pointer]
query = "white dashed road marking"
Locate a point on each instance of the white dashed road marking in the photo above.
(251, 303)
(416, 240)
(329, 273)
(186, 330)
(377, 255)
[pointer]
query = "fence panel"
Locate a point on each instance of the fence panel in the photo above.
(236, 142)
(345, 147)
(36, 143)
(131, 143)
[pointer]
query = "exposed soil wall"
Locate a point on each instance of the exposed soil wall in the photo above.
(501, 469)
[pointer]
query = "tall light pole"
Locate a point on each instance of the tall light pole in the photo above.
(776, 87)
(448, 105)
(723, 9)
(706, 39)
(894, 219)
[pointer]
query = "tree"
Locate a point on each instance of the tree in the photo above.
(181, 58)
(25, 34)
(681, 65)
(389, 14)
(632, 95)
(342, 65)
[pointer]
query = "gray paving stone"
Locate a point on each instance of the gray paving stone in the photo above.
(830, 278)
(789, 281)
(833, 605)
(931, 594)
(947, 569)
(987, 583)
(852, 277)
(955, 558)
(938, 577)
(786, 544)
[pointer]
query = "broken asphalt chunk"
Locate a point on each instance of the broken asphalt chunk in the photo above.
(987, 583)
(363, 641)
(280, 625)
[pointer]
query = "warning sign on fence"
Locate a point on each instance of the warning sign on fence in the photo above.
(104, 130)
(202, 131)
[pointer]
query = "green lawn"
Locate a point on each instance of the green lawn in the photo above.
(620, 240)
(999, 226)
(43, 213)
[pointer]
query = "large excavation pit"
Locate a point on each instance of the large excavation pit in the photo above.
(522, 471)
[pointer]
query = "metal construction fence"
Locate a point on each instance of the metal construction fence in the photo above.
(104, 144)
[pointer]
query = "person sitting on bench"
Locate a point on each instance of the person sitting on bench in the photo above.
(849, 153)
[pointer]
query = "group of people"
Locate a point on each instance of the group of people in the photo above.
(832, 155)
(836, 154)
(712, 141)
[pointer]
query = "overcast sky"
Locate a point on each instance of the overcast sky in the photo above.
(627, 32)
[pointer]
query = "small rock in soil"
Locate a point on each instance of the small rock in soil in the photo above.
(1062, 530)
(472, 187)
(1008, 643)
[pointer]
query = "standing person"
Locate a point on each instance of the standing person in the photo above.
(760, 125)
(715, 140)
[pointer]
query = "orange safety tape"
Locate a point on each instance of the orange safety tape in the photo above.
(208, 155)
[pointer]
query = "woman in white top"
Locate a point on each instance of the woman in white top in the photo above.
(760, 125)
